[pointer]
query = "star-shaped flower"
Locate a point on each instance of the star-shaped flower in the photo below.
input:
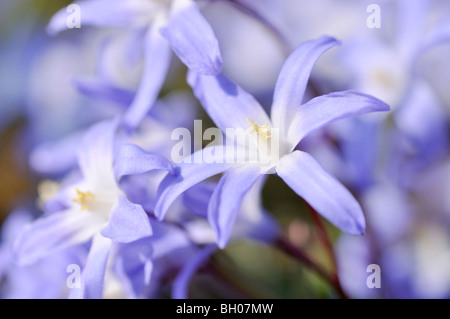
(231, 107)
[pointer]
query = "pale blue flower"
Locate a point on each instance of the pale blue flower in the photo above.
(96, 208)
(231, 107)
(176, 24)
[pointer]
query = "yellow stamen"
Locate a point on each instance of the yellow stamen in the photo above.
(264, 130)
(82, 198)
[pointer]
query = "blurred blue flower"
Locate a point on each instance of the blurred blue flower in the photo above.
(177, 24)
(44, 279)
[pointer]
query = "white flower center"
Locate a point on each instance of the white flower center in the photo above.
(266, 143)
(98, 203)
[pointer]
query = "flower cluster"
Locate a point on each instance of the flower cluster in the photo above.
(347, 115)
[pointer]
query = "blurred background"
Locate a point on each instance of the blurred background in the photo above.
(22, 23)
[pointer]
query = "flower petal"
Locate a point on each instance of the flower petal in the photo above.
(227, 104)
(128, 222)
(196, 198)
(358, 153)
(54, 158)
(328, 108)
(181, 282)
(410, 23)
(254, 221)
(423, 121)
(157, 62)
(53, 233)
(293, 78)
(95, 154)
(193, 40)
(133, 265)
(132, 160)
(323, 192)
(188, 174)
(93, 274)
(226, 200)
(101, 89)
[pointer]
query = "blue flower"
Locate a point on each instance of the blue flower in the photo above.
(32, 281)
(144, 265)
(390, 69)
(96, 208)
(231, 107)
(184, 246)
(176, 23)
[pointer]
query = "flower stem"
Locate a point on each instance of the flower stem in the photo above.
(325, 239)
(293, 251)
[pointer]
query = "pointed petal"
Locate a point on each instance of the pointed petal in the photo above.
(188, 174)
(293, 78)
(227, 104)
(53, 233)
(323, 192)
(55, 158)
(132, 160)
(93, 274)
(181, 283)
(226, 200)
(196, 199)
(95, 153)
(128, 222)
(193, 40)
(98, 88)
(328, 108)
(157, 62)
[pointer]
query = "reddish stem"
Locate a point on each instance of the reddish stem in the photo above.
(298, 254)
